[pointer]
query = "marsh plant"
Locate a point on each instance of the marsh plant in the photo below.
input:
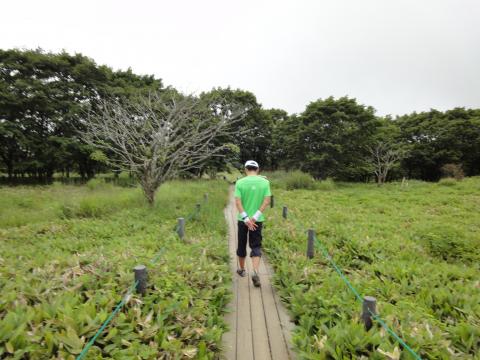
(414, 248)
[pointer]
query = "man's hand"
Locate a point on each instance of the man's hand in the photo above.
(251, 224)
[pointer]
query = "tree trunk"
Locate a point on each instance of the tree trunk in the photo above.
(8, 160)
(49, 174)
(149, 193)
(149, 186)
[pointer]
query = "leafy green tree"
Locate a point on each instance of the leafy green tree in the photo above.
(286, 143)
(434, 139)
(332, 138)
(272, 146)
(462, 132)
(253, 135)
(42, 98)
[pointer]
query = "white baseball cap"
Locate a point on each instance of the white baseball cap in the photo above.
(252, 163)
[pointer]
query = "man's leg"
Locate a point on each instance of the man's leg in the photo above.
(241, 262)
(255, 240)
(256, 263)
(242, 247)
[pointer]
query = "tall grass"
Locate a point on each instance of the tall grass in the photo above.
(294, 180)
(448, 182)
(22, 205)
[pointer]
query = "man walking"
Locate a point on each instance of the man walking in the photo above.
(252, 196)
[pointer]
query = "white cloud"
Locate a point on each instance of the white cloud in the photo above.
(397, 56)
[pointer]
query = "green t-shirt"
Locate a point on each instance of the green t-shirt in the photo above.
(252, 190)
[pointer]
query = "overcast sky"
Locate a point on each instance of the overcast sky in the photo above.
(397, 56)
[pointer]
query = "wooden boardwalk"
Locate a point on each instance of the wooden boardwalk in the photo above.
(259, 326)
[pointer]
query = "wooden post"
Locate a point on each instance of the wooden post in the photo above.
(197, 210)
(181, 228)
(369, 307)
(284, 212)
(310, 243)
(271, 201)
(140, 272)
(205, 197)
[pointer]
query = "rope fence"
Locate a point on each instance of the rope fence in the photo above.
(367, 302)
(124, 300)
(139, 284)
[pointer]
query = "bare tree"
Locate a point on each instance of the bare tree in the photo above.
(383, 158)
(161, 136)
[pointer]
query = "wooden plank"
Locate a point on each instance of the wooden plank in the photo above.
(259, 326)
(229, 338)
(233, 240)
(244, 323)
(261, 343)
(285, 322)
(278, 346)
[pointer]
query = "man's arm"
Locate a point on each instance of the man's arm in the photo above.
(249, 222)
(265, 203)
(238, 200)
(238, 204)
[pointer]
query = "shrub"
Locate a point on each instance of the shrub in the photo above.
(447, 182)
(101, 203)
(67, 210)
(447, 243)
(453, 171)
(299, 180)
(327, 184)
(277, 178)
(96, 183)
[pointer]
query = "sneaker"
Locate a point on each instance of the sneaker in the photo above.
(256, 280)
(242, 272)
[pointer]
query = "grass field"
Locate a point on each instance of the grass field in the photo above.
(67, 253)
(415, 248)
(66, 259)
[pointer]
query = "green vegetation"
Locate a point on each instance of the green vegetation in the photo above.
(44, 96)
(414, 247)
(67, 255)
(293, 180)
(24, 205)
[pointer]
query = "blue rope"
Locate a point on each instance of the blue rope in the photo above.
(338, 270)
(106, 322)
(191, 215)
(359, 297)
(398, 338)
(129, 292)
(157, 256)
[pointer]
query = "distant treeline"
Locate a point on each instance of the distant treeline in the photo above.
(43, 97)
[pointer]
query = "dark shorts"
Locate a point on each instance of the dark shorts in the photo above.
(254, 239)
